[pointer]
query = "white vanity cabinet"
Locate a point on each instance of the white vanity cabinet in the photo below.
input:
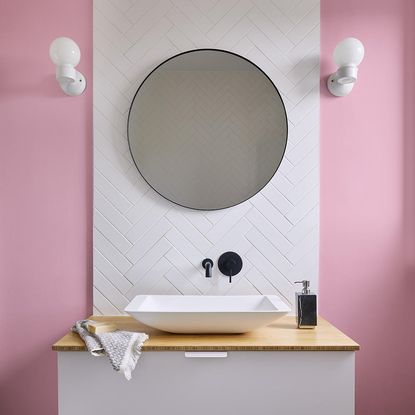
(242, 383)
(271, 381)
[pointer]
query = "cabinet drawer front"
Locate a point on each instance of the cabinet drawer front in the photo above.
(206, 383)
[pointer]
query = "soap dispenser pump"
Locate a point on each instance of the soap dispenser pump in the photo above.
(306, 306)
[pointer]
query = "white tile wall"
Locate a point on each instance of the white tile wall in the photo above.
(145, 244)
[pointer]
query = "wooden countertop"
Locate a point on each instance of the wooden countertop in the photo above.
(282, 335)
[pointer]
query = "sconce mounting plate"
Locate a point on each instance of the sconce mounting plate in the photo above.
(76, 87)
(337, 89)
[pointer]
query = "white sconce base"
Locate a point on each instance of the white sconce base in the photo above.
(76, 87)
(336, 89)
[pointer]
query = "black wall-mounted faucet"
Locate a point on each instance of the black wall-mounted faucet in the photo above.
(230, 264)
(207, 264)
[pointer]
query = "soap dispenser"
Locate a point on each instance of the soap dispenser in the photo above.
(306, 306)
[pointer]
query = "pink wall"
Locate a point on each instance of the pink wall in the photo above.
(367, 199)
(367, 276)
(45, 198)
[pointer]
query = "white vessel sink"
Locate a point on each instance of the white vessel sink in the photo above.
(207, 314)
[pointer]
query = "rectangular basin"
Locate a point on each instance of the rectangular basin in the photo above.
(207, 314)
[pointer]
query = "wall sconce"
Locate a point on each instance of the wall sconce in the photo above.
(348, 54)
(65, 54)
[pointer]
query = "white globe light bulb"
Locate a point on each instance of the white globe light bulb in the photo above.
(349, 51)
(64, 51)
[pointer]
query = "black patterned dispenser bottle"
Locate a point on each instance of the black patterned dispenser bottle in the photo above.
(306, 306)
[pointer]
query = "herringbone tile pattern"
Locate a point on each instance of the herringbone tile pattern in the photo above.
(145, 244)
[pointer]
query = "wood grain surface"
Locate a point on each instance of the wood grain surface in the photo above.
(282, 335)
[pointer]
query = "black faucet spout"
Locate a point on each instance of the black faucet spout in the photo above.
(207, 264)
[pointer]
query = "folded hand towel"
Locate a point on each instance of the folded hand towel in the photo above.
(123, 348)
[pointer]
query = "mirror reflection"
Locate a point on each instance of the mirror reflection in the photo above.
(207, 129)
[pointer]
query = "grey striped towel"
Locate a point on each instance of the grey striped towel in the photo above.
(123, 348)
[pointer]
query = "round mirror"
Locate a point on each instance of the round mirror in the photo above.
(207, 129)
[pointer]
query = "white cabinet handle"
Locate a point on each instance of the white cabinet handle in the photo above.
(192, 355)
